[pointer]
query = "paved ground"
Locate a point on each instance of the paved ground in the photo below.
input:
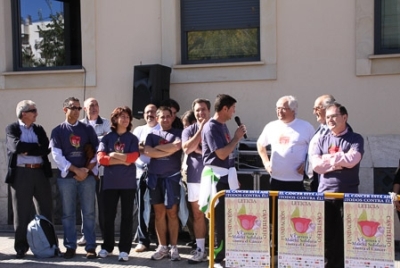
(8, 260)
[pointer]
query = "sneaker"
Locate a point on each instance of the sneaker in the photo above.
(103, 253)
(198, 257)
(123, 256)
(140, 248)
(175, 254)
(82, 241)
(218, 265)
(69, 254)
(91, 254)
(161, 252)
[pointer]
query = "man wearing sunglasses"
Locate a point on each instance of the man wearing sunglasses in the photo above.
(28, 171)
(69, 142)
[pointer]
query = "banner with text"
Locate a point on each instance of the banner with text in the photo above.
(300, 229)
(247, 229)
(368, 231)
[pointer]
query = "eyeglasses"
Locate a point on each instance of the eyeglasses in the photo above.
(332, 116)
(317, 108)
(74, 108)
(31, 111)
(283, 109)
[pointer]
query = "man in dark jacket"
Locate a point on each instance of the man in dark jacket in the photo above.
(28, 171)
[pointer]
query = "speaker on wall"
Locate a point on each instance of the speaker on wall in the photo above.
(150, 85)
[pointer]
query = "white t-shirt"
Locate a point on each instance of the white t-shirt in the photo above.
(289, 145)
(141, 133)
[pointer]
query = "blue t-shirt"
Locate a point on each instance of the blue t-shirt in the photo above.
(345, 180)
(71, 140)
(119, 176)
(165, 166)
(216, 136)
(194, 160)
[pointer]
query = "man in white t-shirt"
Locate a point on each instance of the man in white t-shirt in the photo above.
(141, 133)
(289, 138)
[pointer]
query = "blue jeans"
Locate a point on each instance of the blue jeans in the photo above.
(86, 191)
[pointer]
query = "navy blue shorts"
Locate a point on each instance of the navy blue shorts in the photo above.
(157, 196)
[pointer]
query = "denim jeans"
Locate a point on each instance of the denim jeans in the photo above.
(86, 191)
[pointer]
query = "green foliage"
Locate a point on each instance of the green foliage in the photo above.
(51, 44)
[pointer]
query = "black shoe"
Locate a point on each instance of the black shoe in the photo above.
(91, 254)
(20, 254)
(69, 254)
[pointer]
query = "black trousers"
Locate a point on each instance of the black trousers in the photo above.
(142, 230)
(219, 251)
(110, 202)
(277, 185)
(30, 187)
(334, 236)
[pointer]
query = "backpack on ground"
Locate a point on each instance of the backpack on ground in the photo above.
(42, 238)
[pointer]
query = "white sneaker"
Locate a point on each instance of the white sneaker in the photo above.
(140, 248)
(103, 253)
(175, 254)
(218, 265)
(123, 256)
(161, 252)
(81, 241)
(198, 257)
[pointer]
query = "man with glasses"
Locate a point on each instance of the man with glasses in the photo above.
(70, 142)
(289, 138)
(319, 110)
(28, 171)
(337, 158)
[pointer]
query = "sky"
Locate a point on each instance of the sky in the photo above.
(31, 7)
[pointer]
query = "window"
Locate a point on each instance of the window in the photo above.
(216, 31)
(46, 34)
(387, 27)
(369, 59)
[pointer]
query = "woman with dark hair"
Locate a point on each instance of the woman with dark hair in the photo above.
(118, 151)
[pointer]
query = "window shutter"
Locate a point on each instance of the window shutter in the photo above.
(199, 15)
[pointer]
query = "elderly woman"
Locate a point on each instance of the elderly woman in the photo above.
(118, 151)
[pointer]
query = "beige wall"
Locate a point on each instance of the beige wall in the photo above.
(309, 48)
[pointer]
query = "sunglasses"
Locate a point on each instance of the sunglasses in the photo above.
(31, 111)
(74, 108)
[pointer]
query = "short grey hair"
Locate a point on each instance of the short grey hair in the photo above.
(327, 100)
(292, 102)
(23, 106)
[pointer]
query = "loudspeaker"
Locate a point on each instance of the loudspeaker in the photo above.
(150, 85)
(246, 181)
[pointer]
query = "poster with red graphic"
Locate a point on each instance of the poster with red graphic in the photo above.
(247, 229)
(300, 226)
(368, 231)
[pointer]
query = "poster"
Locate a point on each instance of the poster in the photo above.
(300, 229)
(368, 231)
(247, 229)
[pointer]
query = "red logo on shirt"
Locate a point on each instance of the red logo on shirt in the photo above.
(162, 141)
(284, 140)
(119, 146)
(333, 149)
(75, 140)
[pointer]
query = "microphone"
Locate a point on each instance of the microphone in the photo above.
(237, 120)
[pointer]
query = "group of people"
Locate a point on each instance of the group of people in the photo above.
(100, 157)
(329, 156)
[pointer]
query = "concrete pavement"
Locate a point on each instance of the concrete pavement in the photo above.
(140, 260)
